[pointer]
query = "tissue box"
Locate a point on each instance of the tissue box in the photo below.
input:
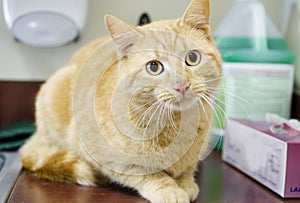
(269, 154)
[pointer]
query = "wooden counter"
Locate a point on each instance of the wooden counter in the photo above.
(218, 182)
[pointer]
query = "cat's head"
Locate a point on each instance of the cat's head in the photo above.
(173, 62)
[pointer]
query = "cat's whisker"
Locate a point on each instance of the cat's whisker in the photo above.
(148, 111)
(161, 119)
(213, 142)
(215, 98)
(215, 89)
(207, 100)
(202, 107)
(218, 110)
(151, 118)
(170, 116)
(238, 100)
(149, 102)
(132, 111)
(214, 79)
(222, 92)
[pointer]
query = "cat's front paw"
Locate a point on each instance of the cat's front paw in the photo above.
(169, 195)
(191, 189)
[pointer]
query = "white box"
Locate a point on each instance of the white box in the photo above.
(269, 154)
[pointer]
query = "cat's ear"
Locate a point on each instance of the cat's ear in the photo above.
(197, 15)
(123, 34)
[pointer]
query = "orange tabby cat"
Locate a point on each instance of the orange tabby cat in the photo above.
(133, 108)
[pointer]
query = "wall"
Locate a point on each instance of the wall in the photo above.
(21, 62)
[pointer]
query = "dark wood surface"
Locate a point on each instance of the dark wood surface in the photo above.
(218, 182)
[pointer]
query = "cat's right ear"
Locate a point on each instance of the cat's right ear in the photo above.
(123, 34)
(197, 15)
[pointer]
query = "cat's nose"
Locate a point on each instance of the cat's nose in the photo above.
(183, 88)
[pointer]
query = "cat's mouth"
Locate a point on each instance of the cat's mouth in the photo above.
(177, 101)
(184, 103)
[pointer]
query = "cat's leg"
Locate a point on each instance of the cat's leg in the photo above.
(186, 181)
(48, 162)
(157, 187)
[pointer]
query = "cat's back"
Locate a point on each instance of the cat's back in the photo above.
(54, 99)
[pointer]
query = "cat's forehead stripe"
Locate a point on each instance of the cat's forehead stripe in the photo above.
(170, 43)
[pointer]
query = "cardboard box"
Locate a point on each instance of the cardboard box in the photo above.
(269, 154)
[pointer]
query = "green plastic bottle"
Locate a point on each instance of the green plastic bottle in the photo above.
(257, 66)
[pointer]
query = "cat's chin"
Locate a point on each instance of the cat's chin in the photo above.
(182, 105)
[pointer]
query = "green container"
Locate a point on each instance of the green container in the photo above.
(239, 49)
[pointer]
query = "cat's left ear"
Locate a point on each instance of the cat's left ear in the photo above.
(123, 34)
(197, 14)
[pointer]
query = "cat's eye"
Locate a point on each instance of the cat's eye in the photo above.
(193, 58)
(154, 67)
